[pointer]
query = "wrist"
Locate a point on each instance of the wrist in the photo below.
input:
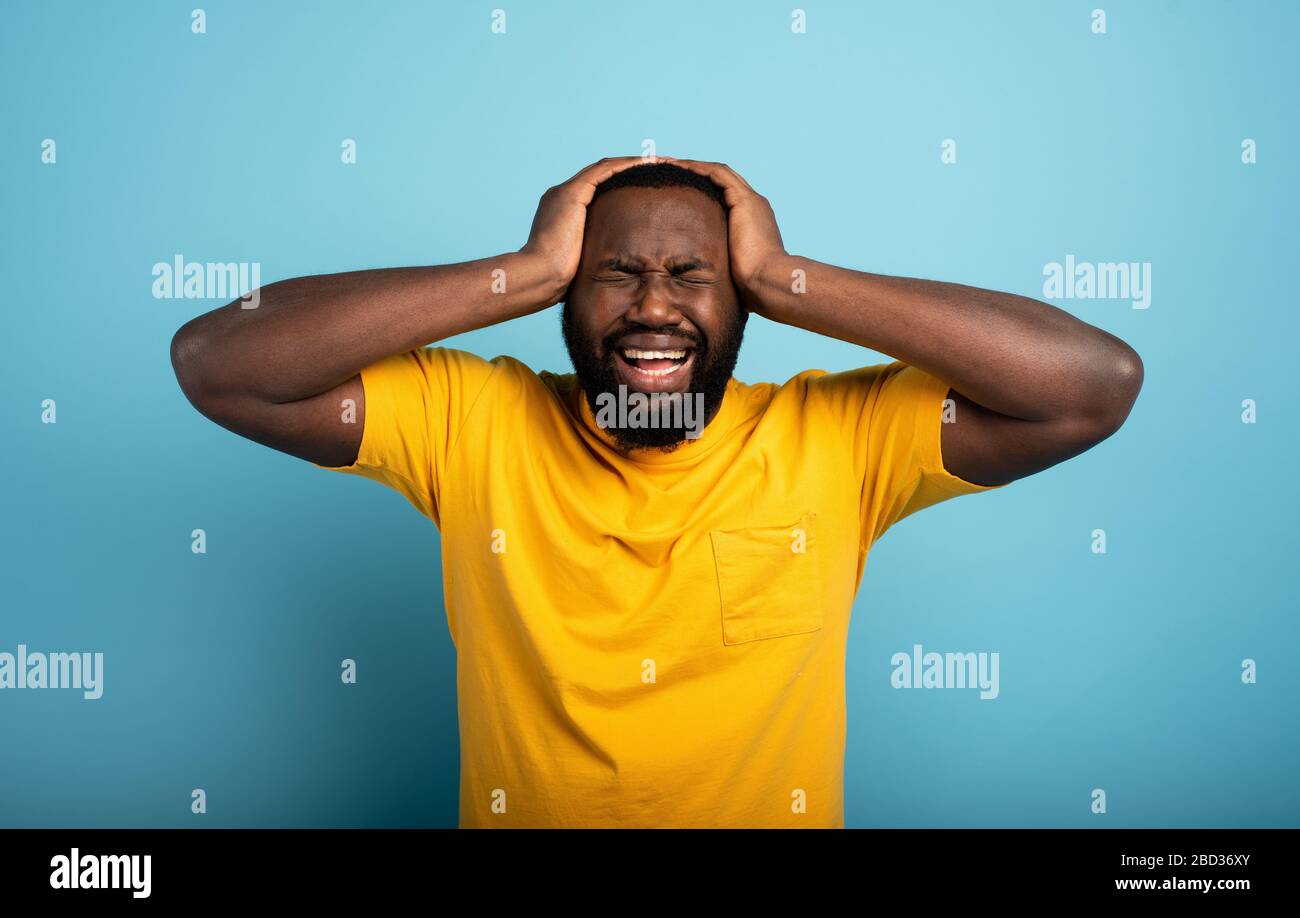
(779, 276)
(544, 281)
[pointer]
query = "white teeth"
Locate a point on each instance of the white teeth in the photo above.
(667, 372)
(635, 354)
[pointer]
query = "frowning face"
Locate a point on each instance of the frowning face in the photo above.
(652, 306)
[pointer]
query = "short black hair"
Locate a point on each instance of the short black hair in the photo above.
(661, 175)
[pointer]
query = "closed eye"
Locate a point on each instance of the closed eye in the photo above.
(692, 273)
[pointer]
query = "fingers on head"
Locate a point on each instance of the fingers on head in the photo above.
(733, 175)
(613, 164)
(602, 169)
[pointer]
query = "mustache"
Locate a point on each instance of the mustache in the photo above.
(607, 344)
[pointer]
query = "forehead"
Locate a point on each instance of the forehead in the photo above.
(656, 223)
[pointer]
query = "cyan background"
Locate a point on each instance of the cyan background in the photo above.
(1119, 671)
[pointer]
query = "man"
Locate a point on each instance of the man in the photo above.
(650, 620)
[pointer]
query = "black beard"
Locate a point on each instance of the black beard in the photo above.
(714, 363)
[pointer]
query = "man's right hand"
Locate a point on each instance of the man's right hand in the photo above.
(556, 236)
(280, 374)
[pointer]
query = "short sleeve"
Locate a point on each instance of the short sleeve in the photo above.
(416, 404)
(893, 415)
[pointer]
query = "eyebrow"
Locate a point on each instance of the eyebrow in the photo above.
(678, 264)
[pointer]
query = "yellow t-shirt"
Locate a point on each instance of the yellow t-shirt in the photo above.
(656, 640)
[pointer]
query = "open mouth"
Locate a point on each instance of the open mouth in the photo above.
(654, 369)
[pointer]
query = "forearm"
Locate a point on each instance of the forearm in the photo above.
(310, 334)
(1011, 354)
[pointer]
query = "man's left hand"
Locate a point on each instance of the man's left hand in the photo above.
(754, 240)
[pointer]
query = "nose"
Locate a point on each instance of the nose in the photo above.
(654, 304)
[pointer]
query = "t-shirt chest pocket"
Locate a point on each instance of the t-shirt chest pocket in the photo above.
(769, 580)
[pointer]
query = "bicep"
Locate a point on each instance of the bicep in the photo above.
(325, 429)
(985, 447)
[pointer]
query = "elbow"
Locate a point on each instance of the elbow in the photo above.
(188, 349)
(1119, 382)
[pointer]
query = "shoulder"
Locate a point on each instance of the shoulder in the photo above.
(872, 395)
(821, 388)
(502, 380)
(458, 366)
(892, 382)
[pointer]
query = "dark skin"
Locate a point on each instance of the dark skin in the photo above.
(1033, 386)
(655, 273)
(281, 374)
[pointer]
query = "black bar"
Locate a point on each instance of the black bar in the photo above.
(331, 867)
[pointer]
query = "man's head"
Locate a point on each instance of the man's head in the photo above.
(652, 306)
